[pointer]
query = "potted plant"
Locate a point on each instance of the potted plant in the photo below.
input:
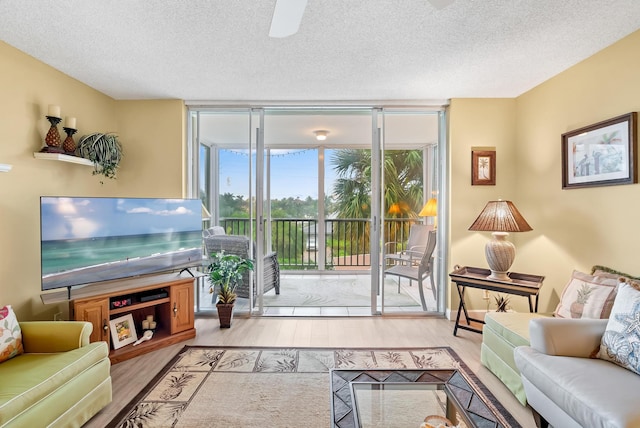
(104, 150)
(225, 273)
(501, 303)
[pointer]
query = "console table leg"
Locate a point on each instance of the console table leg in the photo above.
(460, 308)
(461, 290)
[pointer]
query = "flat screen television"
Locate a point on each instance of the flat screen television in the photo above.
(88, 240)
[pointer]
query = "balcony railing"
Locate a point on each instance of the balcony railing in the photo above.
(346, 244)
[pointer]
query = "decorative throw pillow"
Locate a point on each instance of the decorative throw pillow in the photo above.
(10, 334)
(587, 296)
(607, 272)
(621, 340)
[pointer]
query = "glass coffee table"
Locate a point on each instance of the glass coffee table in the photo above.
(404, 398)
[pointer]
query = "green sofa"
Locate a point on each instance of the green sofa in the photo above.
(501, 334)
(61, 380)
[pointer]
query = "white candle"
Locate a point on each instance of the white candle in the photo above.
(149, 318)
(145, 325)
(152, 325)
(54, 110)
(70, 122)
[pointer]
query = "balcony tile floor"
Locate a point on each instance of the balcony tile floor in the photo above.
(309, 281)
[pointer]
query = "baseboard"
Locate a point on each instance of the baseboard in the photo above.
(475, 313)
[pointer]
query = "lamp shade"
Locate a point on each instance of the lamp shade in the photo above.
(500, 216)
(430, 209)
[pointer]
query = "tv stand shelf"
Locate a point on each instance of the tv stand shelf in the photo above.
(173, 314)
(142, 305)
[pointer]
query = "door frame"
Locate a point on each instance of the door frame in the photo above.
(258, 186)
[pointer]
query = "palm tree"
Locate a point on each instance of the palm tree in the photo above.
(352, 189)
(483, 165)
(402, 178)
(403, 183)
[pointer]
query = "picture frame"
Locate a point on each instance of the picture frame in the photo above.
(483, 167)
(123, 331)
(602, 154)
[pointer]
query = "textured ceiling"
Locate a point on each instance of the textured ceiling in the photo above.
(344, 50)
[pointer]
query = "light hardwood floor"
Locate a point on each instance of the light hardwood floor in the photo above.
(131, 376)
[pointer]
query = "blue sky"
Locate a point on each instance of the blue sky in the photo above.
(294, 173)
(81, 218)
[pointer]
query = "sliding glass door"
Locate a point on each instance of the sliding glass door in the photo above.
(324, 190)
(408, 180)
(224, 162)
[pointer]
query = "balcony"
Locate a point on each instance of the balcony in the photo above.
(341, 286)
(346, 241)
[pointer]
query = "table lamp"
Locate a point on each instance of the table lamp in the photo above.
(430, 209)
(500, 217)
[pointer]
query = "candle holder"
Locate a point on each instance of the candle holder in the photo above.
(53, 139)
(69, 145)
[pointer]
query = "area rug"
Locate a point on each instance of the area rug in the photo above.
(336, 291)
(271, 387)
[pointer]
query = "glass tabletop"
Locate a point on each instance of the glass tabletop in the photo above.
(399, 404)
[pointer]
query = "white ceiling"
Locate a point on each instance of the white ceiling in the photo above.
(345, 49)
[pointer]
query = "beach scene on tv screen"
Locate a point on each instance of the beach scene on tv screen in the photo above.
(86, 240)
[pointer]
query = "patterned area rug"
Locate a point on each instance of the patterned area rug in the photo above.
(272, 387)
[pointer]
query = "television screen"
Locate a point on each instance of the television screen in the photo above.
(86, 240)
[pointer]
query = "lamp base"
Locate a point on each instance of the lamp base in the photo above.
(499, 276)
(500, 255)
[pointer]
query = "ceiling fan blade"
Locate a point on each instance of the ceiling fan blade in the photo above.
(441, 4)
(286, 17)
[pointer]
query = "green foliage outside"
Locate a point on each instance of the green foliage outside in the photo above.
(403, 187)
(349, 199)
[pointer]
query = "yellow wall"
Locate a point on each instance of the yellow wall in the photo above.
(478, 123)
(572, 229)
(154, 155)
(151, 133)
(575, 229)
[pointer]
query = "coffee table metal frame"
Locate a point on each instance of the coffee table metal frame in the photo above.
(466, 402)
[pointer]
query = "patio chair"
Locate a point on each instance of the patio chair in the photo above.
(417, 242)
(215, 230)
(416, 267)
(239, 245)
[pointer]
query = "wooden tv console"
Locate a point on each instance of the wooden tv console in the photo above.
(168, 298)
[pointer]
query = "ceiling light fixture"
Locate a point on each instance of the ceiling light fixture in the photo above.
(321, 135)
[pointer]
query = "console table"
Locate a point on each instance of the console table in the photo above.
(521, 284)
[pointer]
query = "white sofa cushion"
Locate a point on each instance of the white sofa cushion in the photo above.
(566, 337)
(593, 392)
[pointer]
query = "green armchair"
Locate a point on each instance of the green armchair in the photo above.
(61, 380)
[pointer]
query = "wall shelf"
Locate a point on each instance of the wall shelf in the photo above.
(62, 158)
(5, 167)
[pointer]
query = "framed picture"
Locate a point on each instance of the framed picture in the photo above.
(123, 331)
(603, 154)
(483, 167)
